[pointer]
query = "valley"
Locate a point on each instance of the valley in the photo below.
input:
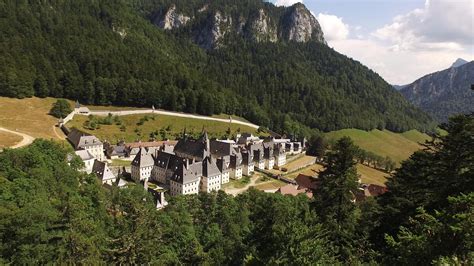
(224, 132)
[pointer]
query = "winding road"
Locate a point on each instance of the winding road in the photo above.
(27, 139)
(161, 112)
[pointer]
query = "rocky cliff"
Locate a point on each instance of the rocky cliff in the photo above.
(209, 26)
(444, 93)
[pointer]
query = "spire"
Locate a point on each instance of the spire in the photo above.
(184, 133)
(78, 105)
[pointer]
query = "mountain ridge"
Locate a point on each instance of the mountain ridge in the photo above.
(209, 25)
(106, 53)
(444, 93)
(459, 62)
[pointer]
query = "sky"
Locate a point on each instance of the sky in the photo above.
(401, 40)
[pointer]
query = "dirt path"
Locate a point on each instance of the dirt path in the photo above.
(59, 135)
(237, 191)
(161, 112)
(27, 139)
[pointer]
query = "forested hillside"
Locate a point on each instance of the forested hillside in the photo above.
(444, 93)
(111, 52)
(52, 214)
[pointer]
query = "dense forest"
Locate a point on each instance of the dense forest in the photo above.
(50, 213)
(109, 52)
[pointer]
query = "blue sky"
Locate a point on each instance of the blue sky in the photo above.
(402, 40)
(369, 14)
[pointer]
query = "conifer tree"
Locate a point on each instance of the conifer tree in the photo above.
(336, 194)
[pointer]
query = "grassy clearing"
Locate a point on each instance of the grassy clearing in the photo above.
(296, 164)
(371, 176)
(274, 184)
(415, 136)
(236, 184)
(29, 116)
(311, 170)
(8, 139)
(300, 162)
(176, 125)
(384, 143)
(114, 108)
(121, 163)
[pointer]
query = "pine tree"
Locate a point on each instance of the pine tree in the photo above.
(335, 197)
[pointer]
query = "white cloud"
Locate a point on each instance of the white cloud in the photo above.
(439, 25)
(287, 2)
(414, 44)
(398, 66)
(333, 27)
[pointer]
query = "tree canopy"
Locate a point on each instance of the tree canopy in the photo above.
(51, 213)
(110, 53)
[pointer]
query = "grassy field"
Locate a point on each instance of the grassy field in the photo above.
(113, 108)
(296, 164)
(274, 184)
(384, 143)
(311, 170)
(371, 176)
(176, 125)
(8, 139)
(29, 116)
(120, 163)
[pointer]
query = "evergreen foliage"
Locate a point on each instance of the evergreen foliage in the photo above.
(110, 53)
(429, 203)
(335, 197)
(50, 213)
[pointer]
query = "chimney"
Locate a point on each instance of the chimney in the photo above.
(162, 198)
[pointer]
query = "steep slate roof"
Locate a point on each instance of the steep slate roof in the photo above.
(84, 155)
(193, 149)
(168, 161)
(268, 149)
(143, 158)
(188, 173)
(247, 157)
(223, 164)
(279, 149)
(257, 151)
(236, 160)
(219, 148)
(103, 172)
(209, 168)
(149, 144)
(114, 150)
(80, 139)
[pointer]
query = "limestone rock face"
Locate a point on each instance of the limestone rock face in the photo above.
(302, 26)
(267, 24)
(171, 19)
(210, 36)
(262, 29)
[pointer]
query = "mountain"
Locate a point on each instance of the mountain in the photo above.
(398, 87)
(250, 58)
(444, 93)
(459, 62)
(209, 25)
